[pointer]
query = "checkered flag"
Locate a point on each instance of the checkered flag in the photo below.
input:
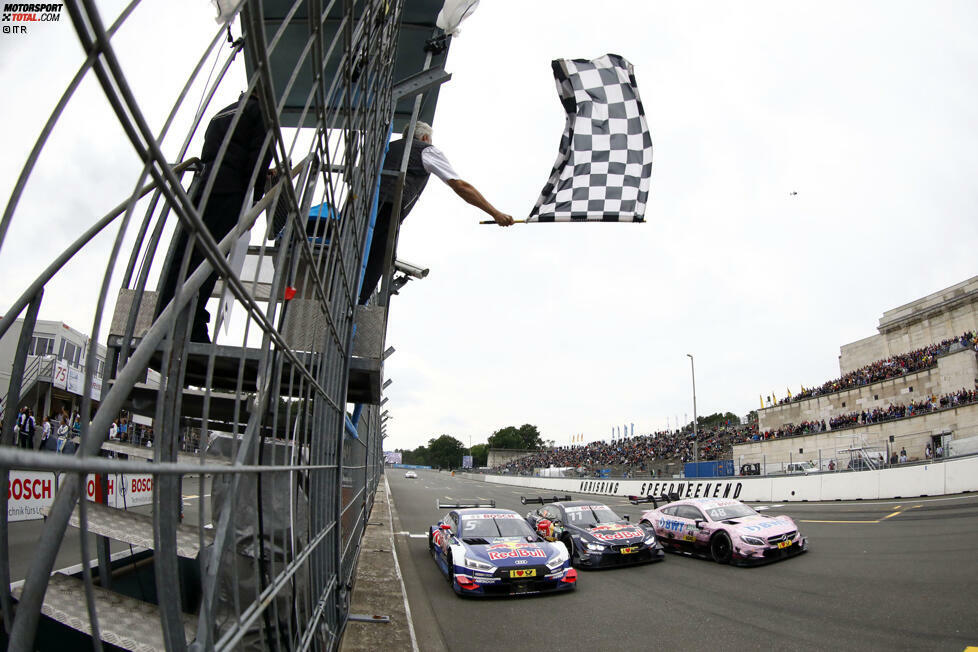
(604, 167)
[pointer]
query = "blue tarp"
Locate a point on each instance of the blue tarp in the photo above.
(712, 469)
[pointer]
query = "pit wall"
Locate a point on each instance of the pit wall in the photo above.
(951, 477)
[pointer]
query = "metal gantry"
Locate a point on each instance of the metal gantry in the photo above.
(286, 420)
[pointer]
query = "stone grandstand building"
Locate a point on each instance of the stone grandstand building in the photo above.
(917, 324)
(937, 317)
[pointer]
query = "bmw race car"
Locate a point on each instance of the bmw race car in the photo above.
(594, 534)
(484, 551)
(725, 530)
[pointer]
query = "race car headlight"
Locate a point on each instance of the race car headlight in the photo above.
(475, 564)
(650, 541)
(558, 560)
(595, 546)
(754, 541)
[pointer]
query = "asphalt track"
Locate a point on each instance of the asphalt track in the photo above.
(879, 575)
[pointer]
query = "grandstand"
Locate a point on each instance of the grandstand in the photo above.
(660, 453)
(918, 393)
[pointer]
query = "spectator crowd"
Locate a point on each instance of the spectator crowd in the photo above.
(639, 451)
(865, 417)
(890, 368)
(716, 443)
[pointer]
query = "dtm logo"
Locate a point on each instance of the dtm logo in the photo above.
(514, 550)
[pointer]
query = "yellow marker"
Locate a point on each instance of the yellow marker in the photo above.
(804, 521)
(889, 516)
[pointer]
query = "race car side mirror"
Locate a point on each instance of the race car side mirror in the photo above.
(627, 517)
(445, 526)
(699, 525)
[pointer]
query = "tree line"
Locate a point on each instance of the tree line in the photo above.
(446, 451)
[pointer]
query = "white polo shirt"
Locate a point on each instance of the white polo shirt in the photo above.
(435, 162)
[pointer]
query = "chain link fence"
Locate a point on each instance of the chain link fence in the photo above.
(260, 419)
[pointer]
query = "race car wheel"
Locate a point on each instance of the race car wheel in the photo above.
(451, 571)
(570, 549)
(721, 548)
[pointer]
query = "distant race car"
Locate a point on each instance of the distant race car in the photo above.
(484, 551)
(410, 474)
(727, 531)
(594, 534)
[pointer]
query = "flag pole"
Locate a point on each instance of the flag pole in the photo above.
(494, 221)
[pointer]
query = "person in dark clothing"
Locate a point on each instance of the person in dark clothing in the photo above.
(231, 179)
(25, 421)
(425, 159)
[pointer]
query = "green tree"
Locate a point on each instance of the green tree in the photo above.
(480, 455)
(445, 452)
(718, 419)
(418, 457)
(526, 437)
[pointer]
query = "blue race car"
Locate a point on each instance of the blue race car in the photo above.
(484, 551)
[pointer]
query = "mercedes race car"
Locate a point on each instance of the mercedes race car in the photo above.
(484, 551)
(727, 531)
(593, 533)
(410, 474)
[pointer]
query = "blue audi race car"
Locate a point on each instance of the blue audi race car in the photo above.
(484, 552)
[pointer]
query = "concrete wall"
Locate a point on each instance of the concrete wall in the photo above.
(499, 456)
(933, 318)
(911, 432)
(954, 371)
(950, 477)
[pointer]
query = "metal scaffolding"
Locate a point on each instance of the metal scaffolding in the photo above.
(286, 420)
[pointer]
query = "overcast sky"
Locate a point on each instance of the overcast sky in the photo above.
(866, 110)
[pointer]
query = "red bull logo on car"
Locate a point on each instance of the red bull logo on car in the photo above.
(514, 550)
(614, 532)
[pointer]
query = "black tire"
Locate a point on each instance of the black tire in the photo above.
(569, 544)
(451, 571)
(720, 548)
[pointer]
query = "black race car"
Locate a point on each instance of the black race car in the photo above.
(594, 534)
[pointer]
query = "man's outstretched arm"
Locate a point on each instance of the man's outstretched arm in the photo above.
(467, 191)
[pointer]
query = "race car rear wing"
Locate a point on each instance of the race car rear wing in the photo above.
(542, 501)
(663, 498)
(466, 503)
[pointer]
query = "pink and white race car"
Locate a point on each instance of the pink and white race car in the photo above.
(726, 530)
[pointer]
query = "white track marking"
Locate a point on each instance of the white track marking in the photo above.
(830, 503)
(397, 570)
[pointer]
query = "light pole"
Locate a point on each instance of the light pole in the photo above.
(692, 369)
